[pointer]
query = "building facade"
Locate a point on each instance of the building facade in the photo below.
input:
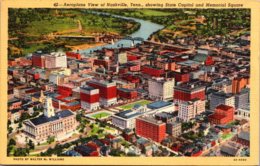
(187, 92)
(189, 109)
(59, 124)
(161, 89)
(125, 119)
(218, 98)
(107, 91)
(223, 114)
(148, 127)
(89, 98)
(56, 60)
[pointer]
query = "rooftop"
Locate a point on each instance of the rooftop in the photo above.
(151, 119)
(158, 104)
(223, 107)
(43, 119)
(127, 114)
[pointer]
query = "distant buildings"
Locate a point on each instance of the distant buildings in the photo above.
(49, 61)
(160, 89)
(218, 98)
(56, 60)
(152, 71)
(223, 114)
(121, 58)
(89, 98)
(148, 127)
(60, 124)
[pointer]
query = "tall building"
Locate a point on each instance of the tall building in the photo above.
(161, 89)
(242, 99)
(107, 91)
(239, 83)
(189, 91)
(89, 98)
(56, 60)
(148, 127)
(218, 98)
(38, 60)
(223, 114)
(59, 124)
(189, 109)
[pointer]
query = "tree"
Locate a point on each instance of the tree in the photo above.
(20, 125)
(50, 139)
(31, 144)
(21, 152)
(11, 142)
(10, 129)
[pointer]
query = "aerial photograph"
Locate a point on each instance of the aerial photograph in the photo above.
(128, 82)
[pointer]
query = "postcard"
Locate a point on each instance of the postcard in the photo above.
(129, 83)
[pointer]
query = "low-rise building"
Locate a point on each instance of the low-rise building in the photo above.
(125, 119)
(223, 114)
(173, 128)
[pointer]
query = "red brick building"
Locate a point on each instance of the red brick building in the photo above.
(150, 128)
(152, 71)
(181, 77)
(65, 89)
(107, 91)
(127, 93)
(73, 55)
(102, 62)
(38, 60)
(239, 83)
(131, 78)
(89, 97)
(223, 114)
(187, 92)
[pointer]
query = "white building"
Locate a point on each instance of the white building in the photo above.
(243, 113)
(125, 119)
(189, 109)
(161, 89)
(56, 60)
(89, 98)
(121, 58)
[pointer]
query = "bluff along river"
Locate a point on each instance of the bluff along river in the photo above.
(145, 30)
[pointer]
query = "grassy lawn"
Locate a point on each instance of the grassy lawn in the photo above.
(131, 105)
(100, 115)
(226, 136)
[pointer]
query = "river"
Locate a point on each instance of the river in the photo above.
(145, 30)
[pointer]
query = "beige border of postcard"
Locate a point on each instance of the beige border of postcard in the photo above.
(254, 98)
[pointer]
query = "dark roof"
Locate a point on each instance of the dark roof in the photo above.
(43, 119)
(127, 114)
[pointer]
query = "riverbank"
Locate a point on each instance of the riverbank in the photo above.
(85, 46)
